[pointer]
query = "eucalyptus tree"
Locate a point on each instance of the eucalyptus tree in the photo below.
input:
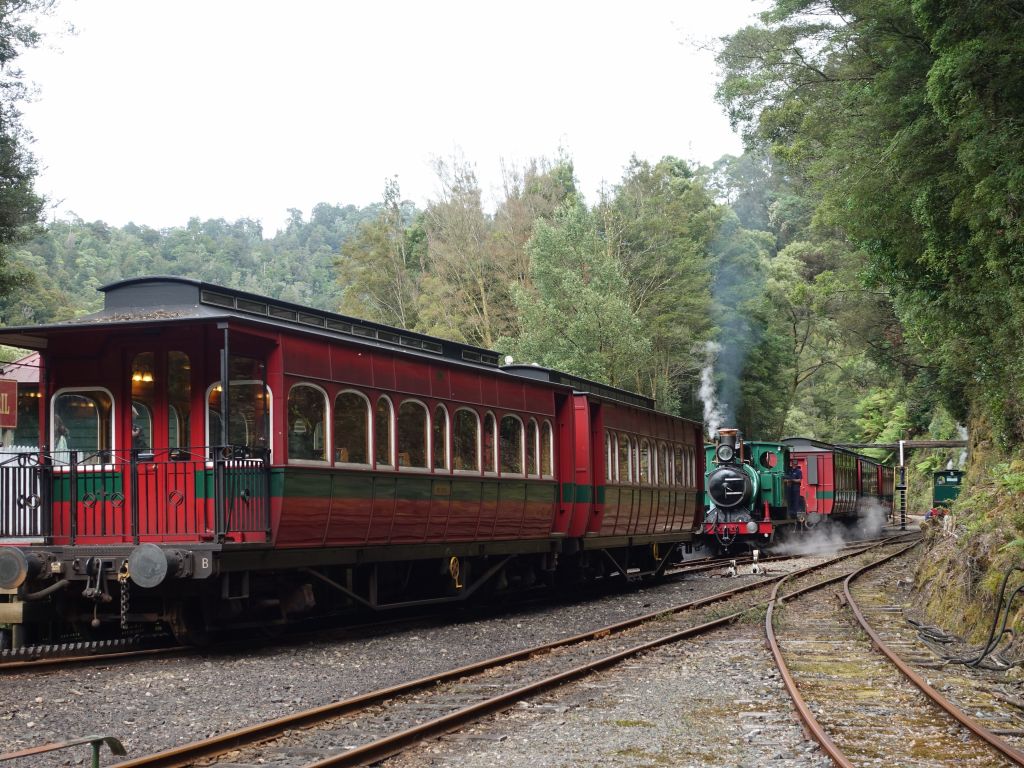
(576, 314)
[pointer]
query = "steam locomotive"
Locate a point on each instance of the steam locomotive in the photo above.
(758, 490)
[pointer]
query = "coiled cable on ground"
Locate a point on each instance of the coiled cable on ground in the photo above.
(986, 657)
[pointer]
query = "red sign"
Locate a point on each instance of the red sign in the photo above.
(8, 404)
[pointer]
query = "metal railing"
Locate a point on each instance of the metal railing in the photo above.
(207, 493)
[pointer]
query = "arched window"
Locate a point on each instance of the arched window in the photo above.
(307, 423)
(645, 462)
(609, 456)
(82, 420)
(383, 434)
(179, 400)
(547, 450)
(532, 448)
(678, 476)
(439, 437)
(625, 465)
(412, 434)
(511, 445)
(143, 383)
(466, 441)
(490, 443)
(352, 429)
(664, 465)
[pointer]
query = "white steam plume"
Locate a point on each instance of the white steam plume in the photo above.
(712, 411)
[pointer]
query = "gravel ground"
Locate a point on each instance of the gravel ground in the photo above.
(715, 702)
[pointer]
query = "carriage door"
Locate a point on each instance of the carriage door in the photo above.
(157, 427)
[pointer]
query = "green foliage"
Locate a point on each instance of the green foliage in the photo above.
(576, 317)
(20, 206)
(904, 120)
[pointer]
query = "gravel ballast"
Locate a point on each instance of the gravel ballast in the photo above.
(711, 701)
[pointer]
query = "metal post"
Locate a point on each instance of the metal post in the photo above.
(902, 488)
(225, 378)
(134, 505)
(72, 492)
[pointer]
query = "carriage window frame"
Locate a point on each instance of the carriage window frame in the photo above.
(516, 452)
(390, 437)
(625, 452)
(425, 427)
(368, 426)
(269, 399)
(324, 423)
(610, 455)
(547, 444)
(457, 440)
(646, 465)
(111, 426)
(533, 468)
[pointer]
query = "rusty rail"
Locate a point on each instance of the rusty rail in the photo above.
(1000, 745)
(178, 757)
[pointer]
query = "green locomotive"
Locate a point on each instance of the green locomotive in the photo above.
(745, 492)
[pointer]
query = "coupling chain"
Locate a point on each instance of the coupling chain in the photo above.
(122, 578)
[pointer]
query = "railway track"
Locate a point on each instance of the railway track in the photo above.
(379, 724)
(858, 698)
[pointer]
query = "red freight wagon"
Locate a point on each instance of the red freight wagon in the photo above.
(218, 458)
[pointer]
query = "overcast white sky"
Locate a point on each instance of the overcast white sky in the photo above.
(159, 110)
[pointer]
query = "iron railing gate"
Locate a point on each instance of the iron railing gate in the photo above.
(133, 495)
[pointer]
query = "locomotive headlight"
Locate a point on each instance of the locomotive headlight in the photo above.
(724, 454)
(751, 526)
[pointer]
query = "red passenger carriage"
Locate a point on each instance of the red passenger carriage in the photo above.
(838, 484)
(208, 458)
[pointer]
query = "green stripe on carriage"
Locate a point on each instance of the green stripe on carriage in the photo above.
(600, 494)
(95, 483)
(584, 494)
(824, 494)
(568, 493)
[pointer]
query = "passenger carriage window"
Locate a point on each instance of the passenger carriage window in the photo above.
(412, 434)
(489, 444)
(307, 423)
(248, 406)
(143, 383)
(82, 420)
(466, 441)
(625, 465)
(511, 445)
(547, 450)
(179, 400)
(645, 462)
(383, 434)
(532, 448)
(677, 468)
(352, 429)
(141, 435)
(609, 456)
(440, 437)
